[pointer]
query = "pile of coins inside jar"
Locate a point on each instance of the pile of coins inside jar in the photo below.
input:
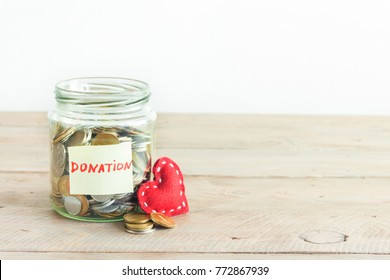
(138, 223)
(96, 207)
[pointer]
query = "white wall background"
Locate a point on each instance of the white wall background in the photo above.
(247, 56)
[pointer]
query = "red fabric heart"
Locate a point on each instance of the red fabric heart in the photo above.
(166, 194)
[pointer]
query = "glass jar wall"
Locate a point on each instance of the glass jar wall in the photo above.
(102, 147)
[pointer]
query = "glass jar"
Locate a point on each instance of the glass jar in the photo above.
(102, 147)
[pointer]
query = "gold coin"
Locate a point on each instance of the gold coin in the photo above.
(63, 185)
(84, 204)
(136, 218)
(79, 138)
(54, 187)
(63, 135)
(162, 220)
(105, 139)
(139, 227)
(110, 130)
(114, 214)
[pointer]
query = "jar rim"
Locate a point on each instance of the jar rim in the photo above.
(102, 88)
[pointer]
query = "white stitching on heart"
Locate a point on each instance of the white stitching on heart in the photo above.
(156, 187)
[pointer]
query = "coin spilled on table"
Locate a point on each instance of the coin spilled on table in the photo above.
(139, 223)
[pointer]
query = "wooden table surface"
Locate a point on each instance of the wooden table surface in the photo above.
(259, 187)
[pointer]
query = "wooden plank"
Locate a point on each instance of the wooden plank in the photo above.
(228, 216)
(234, 163)
(277, 132)
(292, 147)
(226, 131)
(280, 164)
(181, 256)
(23, 119)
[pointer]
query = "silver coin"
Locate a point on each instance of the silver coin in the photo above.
(67, 164)
(141, 160)
(140, 148)
(109, 209)
(121, 195)
(139, 142)
(138, 177)
(141, 232)
(100, 206)
(125, 199)
(72, 205)
(102, 198)
(58, 159)
(59, 154)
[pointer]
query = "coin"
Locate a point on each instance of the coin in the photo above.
(114, 214)
(63, 185)
(80, 137)
(59, 154)
(121, 196)
(54, 187)
(110, 130)
(162, 220)
(101, 205)
(140, 232)
(138, 176)
(139, 227)
(102, 198)
(76, 204)
(63, 135)
(109, 209)
(136, 218)
(58, 159)
(141, 160)
(105, 139)
(72, 205)
(106, 215)
(84, 204)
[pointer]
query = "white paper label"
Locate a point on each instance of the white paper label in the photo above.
(98, 170)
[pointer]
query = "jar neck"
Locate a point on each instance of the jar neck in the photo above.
(102, 99)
